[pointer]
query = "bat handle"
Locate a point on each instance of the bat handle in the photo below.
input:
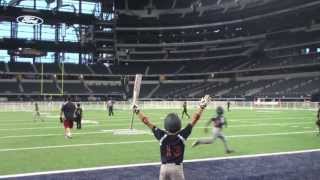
(132, 117)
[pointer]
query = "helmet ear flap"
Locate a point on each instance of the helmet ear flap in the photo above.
(172, 123)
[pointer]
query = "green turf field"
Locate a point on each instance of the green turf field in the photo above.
(27, 146)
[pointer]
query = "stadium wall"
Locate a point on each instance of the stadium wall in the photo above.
(299, 165)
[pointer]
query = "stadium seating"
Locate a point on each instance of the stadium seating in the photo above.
(165, 68)
(7, 87)
(74, 88)
(2, 67)
(281, 62)
(279, 87)
(145, 89)
(49, 68)
(207, 46)
(76, 69)
(244, 88)
(20, 67)
(174, 90)
(306, 87)
(99, 69)
(105, 89)
(129, 68)
(35, 88)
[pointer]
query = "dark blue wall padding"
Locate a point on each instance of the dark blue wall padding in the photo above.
(300, 166)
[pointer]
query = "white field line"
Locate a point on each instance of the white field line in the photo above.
(34, 128)
(156, 164)
(265, 124)
(4, 122)
(14, 123)
(107, 125)
(147, 141)
(110, 130)
(61, 134)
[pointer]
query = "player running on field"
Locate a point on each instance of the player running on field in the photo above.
(218, 123)
(172, 140)
(37, 115)
(67, 117)
(318, 118)
(185, 110)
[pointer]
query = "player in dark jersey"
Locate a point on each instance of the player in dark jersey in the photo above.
(228, 106)
(185, 110)
(78, 116)
(318, 118)
(67, 117)
(218, 123)
(37, 115)
(110, 107)
(172, 140)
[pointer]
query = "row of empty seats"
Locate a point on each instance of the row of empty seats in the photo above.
(280, 62)
(9, 87)
(294, 87)
(181, 67)
(12, 86)
(54, 68)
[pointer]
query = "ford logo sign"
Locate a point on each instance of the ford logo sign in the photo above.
(27, 19)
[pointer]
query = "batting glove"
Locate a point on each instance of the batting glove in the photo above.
(61, 119)
(204, 101)
(135, 109)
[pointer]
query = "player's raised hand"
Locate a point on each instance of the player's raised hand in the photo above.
(135, 108)
(204, 101)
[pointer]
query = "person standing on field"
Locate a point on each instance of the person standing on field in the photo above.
(37, 115)
(110, 104)
(67, 116)
(185, 110)
(228, 106)
(78, 116)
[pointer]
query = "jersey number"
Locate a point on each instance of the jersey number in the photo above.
(173, 151)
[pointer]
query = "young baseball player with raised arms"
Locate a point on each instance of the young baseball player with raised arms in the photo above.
(172, 140)
(218, 123)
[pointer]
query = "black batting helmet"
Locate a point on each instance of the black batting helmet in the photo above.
(219, 110)
(172, 123)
